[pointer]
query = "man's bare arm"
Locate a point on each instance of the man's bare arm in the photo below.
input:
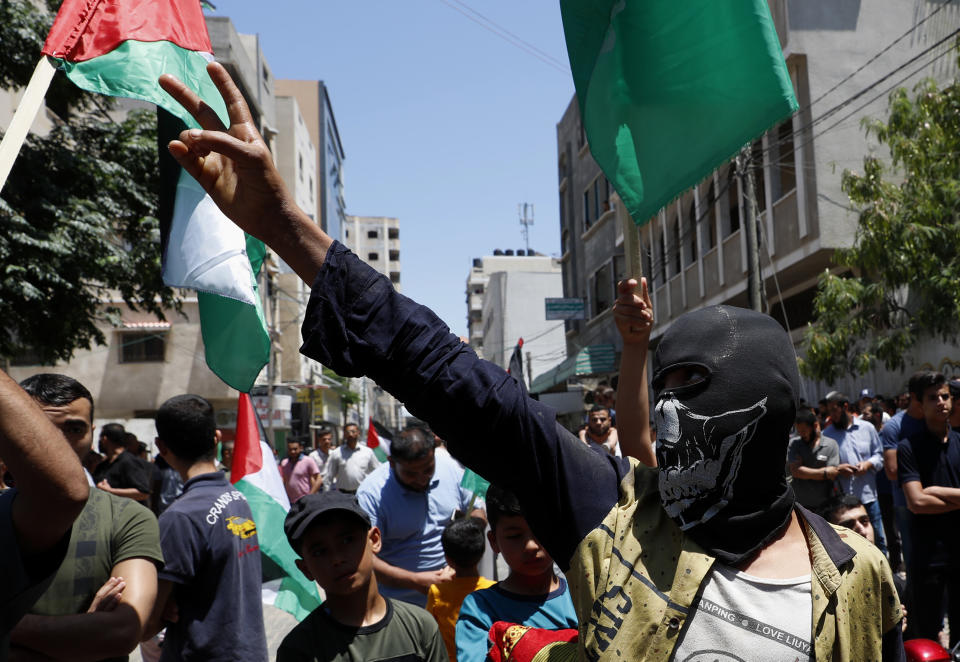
(807, 473)
(391, 575)
(127, 492)
(164, 610)
(922, 502)
(99, 634)
(51, 486)
(634, 317)
(890, 463)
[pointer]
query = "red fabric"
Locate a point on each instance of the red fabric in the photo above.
(247, 456)
(373, 439)
(85, 29)
(519, 643)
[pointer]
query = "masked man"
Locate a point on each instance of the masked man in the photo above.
(704, 557)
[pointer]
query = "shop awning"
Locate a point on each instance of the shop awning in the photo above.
(591, 360)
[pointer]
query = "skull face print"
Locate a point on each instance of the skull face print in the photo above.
(700, 457)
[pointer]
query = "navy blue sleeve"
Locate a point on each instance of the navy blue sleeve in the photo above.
(357, 324)
(891, 646)
(907, 469)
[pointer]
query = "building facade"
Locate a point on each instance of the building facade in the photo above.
(313, 100)
(505, 302)
(695, 251)
(376, 239)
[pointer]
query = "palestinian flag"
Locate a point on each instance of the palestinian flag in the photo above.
(378, 438)
(285, 587)
(668, 91)
(120, 48)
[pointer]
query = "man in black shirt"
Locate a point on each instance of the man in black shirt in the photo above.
(928, 466)
(121, 473)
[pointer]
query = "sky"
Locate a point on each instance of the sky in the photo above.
(445, 124)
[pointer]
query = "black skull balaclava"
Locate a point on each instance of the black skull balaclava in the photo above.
(722, 438)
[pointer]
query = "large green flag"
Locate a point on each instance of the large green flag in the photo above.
(670, 90)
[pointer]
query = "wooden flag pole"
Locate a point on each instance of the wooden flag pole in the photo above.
(19, 127)
(631, 246)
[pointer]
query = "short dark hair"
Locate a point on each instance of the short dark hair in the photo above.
(187, 426)
(839, 504)
(806, 416)
(463, 541)
(412, 444)
(924, 379)
(57, 390)
(351, 425)
(599, 408)
(115, 433)
(501, 503)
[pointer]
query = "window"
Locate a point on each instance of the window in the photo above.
(784, 161)
(675, 247)
(394, 277)
(394, 256)
(602, 290)
(346, 233)
(372, 234)
(373, 257)
(710, 219)
(733, 197)
(690, 231)
(393, 233)
(757, 169)
(587, 218)
(662, 257)
(581, 136)
(142, 347)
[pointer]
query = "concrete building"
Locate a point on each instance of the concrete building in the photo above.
(376, 239)
(505, 301)
(313, 100)
(695, 248)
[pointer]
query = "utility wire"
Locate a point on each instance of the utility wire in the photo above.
(507, 36)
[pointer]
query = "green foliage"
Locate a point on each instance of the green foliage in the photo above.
(78, 215)
(905, 261)
(348, 397)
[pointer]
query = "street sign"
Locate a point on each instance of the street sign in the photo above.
(565, 309)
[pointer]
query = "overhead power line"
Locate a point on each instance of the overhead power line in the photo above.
(506, 35)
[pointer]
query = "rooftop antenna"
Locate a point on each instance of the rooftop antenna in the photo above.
(525, 221)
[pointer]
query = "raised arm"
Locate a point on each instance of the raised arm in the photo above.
(633, 314)
(357, 324)
(51, 486)
(234, 166)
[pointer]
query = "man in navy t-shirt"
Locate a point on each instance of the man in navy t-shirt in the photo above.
(212, 577)
(928, 465)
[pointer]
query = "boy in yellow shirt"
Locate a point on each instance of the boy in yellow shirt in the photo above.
(463, 545)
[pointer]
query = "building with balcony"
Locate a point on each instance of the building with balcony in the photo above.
(695, 251)
(376, 240)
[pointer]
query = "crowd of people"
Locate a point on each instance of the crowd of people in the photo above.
(695, 546)
(890, 469)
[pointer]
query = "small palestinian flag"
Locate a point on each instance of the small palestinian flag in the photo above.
(378, 438)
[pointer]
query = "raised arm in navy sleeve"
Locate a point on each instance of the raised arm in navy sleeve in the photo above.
(357, 324)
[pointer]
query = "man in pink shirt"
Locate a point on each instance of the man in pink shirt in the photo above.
(301, 475)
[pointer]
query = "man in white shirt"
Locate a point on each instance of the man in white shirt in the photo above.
(349, 463)
(321, 454)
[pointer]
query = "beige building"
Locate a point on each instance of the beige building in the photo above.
(695, 251)
(376, 239)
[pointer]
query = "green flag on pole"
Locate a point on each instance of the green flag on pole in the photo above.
(668, 91)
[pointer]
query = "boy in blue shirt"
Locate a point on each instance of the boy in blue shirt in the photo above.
(531, 595)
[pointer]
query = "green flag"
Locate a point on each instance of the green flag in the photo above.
(668, 91)
(475, 483)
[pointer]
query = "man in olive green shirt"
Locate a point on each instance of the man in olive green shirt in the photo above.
(100, 598)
